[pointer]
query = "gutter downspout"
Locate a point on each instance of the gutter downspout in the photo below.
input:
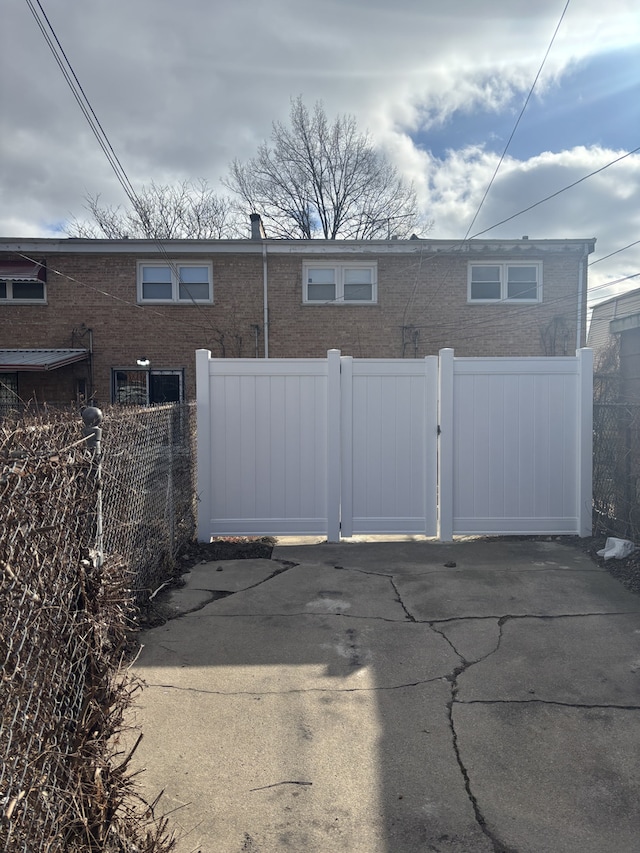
(265, 299)
(581, 287)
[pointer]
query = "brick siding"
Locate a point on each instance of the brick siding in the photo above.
(422, 307)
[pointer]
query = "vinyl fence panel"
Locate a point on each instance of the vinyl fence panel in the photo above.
(389, 445)
(519, 445)
(263, 465)
(438, 446)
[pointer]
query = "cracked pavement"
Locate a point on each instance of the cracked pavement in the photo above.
(367, 698)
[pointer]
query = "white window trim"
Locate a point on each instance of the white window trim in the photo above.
(504, 299)
(340, 267)
(9, 300)
(173, 265)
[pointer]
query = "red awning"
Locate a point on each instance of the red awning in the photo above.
(12, 360)
(22, 271)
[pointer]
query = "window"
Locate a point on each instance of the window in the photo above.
(174, 282)
(22, 281)
(505, 282)
(8, 388)
(147, 387)
(349, 283)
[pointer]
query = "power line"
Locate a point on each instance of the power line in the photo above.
(617, 251)
(515, 127)
(49, 34)
(557, 193)
(63, 62)
(72, 80)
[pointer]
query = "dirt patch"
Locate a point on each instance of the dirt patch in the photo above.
(228, 548)
(627, 571)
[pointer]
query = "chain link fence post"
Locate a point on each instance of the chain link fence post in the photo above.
(92, 418)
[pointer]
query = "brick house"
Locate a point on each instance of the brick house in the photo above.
(120, 320)
(614, 336)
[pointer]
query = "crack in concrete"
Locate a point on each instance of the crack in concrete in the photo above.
(497, 845)
(310, 613)
(555, 702)
(292, 691)
(217, 594)
(506, 616)
(410, 616)
(452, 677)
(465, 664)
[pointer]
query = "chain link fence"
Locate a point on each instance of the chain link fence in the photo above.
(616, 470)
(68, 596)
(149, 490)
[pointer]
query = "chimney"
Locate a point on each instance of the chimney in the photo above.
(257, 228)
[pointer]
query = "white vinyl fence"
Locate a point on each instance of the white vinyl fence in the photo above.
(436, 446)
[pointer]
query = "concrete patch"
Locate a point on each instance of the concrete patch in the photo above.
(230, 575)
(319, 588)
(582, 659)
(416, 699)
(206, 582)
(477, 592)
(552, 779)
(411, 553)
(312, 772)
(267, 654)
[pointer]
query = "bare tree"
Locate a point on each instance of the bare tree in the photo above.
(189, 209)
(318, 179)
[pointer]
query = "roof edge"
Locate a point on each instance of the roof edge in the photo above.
(72, 245)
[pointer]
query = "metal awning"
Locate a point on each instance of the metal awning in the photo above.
(22, 271)
(39, 359)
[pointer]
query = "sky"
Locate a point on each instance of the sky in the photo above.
(181, 89)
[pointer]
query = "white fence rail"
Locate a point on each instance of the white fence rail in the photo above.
(438, 446)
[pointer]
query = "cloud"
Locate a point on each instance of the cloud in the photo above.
(183, 89)
(603, 206)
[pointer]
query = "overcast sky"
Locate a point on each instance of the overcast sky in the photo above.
(182, 88)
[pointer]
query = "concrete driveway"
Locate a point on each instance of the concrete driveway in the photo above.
(397, 698)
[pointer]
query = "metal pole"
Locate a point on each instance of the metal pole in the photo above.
(92, 418)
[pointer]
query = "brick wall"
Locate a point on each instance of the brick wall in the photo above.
(422, 307)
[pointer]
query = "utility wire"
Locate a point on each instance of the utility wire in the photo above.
(49, 34)
(515, 127)
(617, 251)
(72, 80)
(557, 193)
(63, 62)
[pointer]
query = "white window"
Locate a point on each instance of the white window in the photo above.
(22, 281)
(505, 282)
(350, 283)
(174, 282)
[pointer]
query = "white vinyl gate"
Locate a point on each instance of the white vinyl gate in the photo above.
(438, 446)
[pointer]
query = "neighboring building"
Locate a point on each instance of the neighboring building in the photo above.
(614, 335)
(120, 320)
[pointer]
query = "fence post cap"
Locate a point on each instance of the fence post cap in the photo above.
(92, 416)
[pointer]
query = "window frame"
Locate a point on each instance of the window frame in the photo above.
(504, 298)
(173, 266)
(340, 267)
(9, 299)
(143, 389)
